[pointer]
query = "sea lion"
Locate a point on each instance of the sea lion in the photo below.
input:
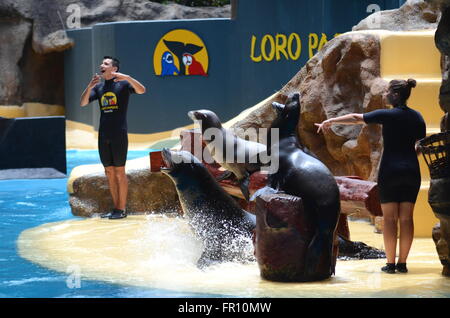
(245, 155)
(216, 218)
(349, 250)
(304, 176)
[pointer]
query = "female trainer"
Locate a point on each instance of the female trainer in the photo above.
(399, 173)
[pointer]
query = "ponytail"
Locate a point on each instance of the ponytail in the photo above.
(403, 88)
(411, 83)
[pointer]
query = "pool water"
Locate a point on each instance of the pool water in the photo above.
(29, 203)
(155, 255)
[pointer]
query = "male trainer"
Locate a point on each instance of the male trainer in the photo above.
(112, 95)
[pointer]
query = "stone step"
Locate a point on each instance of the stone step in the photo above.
(424, 218)
(410, 54)
(413, 54)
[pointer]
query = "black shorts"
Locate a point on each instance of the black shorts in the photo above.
(113, 150)
(399, 189)
(399, 194)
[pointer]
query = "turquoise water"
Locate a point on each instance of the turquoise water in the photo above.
(28, 203)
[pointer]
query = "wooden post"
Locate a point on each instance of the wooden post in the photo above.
(283, 234)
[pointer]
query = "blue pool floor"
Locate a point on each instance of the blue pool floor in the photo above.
(29, 203)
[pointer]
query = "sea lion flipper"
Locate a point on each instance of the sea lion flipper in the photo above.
(263, 191)
(208, 258)
(227, 174)
(243, 184)
(357, 250)
(203, 261)
(318, 254)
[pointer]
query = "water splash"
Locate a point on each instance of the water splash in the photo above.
(161, 252)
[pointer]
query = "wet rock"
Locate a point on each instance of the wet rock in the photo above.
(349, 250)
(147, 193)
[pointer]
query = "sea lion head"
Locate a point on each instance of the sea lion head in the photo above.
(207, 118)
(292, 102)
(287, 115)
(178, 163)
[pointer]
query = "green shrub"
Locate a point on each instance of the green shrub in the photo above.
(197, 3)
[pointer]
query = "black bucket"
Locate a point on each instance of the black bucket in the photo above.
(436, 152)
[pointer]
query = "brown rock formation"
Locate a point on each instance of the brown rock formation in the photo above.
(13, 31)
(441, 236)
(344, 77)
(438, 194)
(442, 39)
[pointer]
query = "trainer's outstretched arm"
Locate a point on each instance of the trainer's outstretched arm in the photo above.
(349, 119)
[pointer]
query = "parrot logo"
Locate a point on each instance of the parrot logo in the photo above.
(181, 53)
(168, 66)
(193, 66)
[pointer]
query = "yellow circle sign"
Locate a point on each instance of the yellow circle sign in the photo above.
(179, 53)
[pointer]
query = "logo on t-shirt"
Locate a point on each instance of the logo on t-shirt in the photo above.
(109, 102)
(180, 53)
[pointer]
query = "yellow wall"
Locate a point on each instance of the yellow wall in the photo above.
(31, 110)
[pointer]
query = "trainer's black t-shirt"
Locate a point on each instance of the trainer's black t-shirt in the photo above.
(113, 101)
(402, 127)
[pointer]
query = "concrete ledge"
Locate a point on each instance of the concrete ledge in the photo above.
(35, 142)
(34, 173)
